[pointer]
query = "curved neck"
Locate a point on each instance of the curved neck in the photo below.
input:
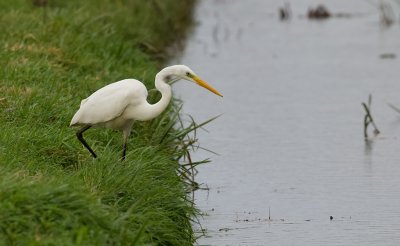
(166, 94)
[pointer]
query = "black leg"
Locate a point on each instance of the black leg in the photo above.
(125, 134)
(124, 152)
(80, 137)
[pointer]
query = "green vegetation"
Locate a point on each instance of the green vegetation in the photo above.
(52, 192)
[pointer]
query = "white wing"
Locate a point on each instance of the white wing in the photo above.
(110, 102)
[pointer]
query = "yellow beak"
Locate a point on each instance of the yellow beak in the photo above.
(204, 84)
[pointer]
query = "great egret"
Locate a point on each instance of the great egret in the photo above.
(119, 104)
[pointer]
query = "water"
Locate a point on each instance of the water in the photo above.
(291, 136)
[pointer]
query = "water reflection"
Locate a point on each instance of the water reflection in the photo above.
(368, 147)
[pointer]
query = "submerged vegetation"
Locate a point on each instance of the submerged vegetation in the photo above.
(54, 54)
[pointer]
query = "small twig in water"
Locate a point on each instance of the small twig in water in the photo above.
(387, 13)
(285, 12)
(394, 108)
(368, 118)
(269, 213)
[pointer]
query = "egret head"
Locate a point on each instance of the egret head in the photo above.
(184, 72)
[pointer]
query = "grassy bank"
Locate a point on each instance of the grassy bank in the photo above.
(51, 190)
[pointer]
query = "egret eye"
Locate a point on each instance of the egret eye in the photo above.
(188, 74)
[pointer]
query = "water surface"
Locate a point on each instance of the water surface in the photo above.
(291, 136)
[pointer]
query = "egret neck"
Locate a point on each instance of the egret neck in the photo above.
(166, 94)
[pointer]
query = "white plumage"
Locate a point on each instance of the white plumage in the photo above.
(119, 104)
(110, 102)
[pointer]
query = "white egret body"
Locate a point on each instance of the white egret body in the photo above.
(119, 104)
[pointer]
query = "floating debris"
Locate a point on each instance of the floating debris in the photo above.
(388, 56)
(320, 12)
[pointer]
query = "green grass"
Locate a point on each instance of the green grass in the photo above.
(52, 192)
